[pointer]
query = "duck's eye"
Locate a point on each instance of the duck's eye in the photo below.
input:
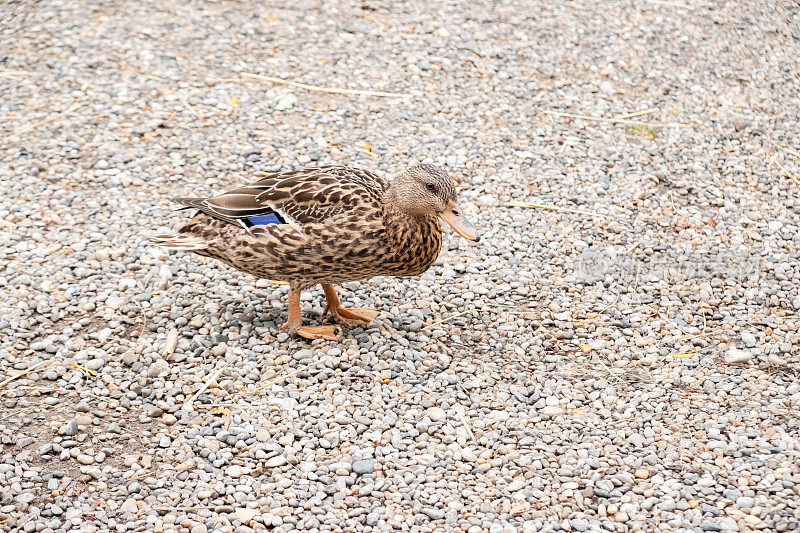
(430, 186)
(455, 212)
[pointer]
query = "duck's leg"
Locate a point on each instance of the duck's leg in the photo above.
(350, 317)
(295, 322)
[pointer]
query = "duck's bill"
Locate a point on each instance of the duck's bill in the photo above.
(456, 220)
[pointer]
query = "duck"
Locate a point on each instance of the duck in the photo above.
(325, 225)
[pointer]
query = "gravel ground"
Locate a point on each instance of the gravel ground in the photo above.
(631, 366)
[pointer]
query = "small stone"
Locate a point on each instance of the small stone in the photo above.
(551, 410)
(579, 524)
(169, 419)
(642, 473)
(71, 428)
(129, 358)
(245, 515)
(736, 356)
(364, 466)
(706, 481)
(271, 519)
(128, 506)
(436, 414)
(96, 364)
(25, 497)
(710, 509)
(434, 513)
(287, 101)
(745, 502)
(115, 302)
(159, 368)
(234, 471)
(274, 462)
(85, 459)
(748, 339)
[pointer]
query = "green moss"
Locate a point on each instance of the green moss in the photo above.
(641, 130)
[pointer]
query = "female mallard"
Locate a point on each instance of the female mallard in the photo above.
(325, 225)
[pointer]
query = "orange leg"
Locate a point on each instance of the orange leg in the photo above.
(352, 317)
(295, 322)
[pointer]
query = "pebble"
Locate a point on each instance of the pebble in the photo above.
(579, 524)
(71, 428)
(552, 410)
(274, 462)
(364, 466)
(436, 414)
(748, 339)
(286, 102)
(26, 497)
(234, 471)
(736, 356)
(246, 515)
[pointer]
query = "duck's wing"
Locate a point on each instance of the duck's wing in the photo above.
(300, 196)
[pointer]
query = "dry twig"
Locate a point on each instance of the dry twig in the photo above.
(448, 318)
(186, 508)
(55, 389)
(34, 125)
(515, 203)
(791, 176)
(791, 151)
(10, 225)
(463, 420)
(332, 90)
(169, 344)
(637, 113)
(25, 372)
(190, 108)
(214, 375)
(281, 378)
(12, 74)
(633, 247)
(614, 120)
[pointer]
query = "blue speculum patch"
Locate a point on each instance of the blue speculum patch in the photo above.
(263, 220)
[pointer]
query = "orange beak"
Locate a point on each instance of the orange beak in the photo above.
(456, 219)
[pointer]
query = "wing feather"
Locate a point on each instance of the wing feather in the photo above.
(305, 196)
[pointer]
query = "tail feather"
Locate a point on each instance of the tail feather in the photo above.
(180, 241)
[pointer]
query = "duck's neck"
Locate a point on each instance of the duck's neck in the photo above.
(416, 240)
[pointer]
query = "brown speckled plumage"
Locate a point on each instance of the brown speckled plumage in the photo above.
(343, 224)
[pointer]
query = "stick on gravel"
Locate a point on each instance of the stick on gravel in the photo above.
(515, 203)
(24, 372)
(332, 90)
(29, 127)
(205, 385)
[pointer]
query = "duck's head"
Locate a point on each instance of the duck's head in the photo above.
(429, 190)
